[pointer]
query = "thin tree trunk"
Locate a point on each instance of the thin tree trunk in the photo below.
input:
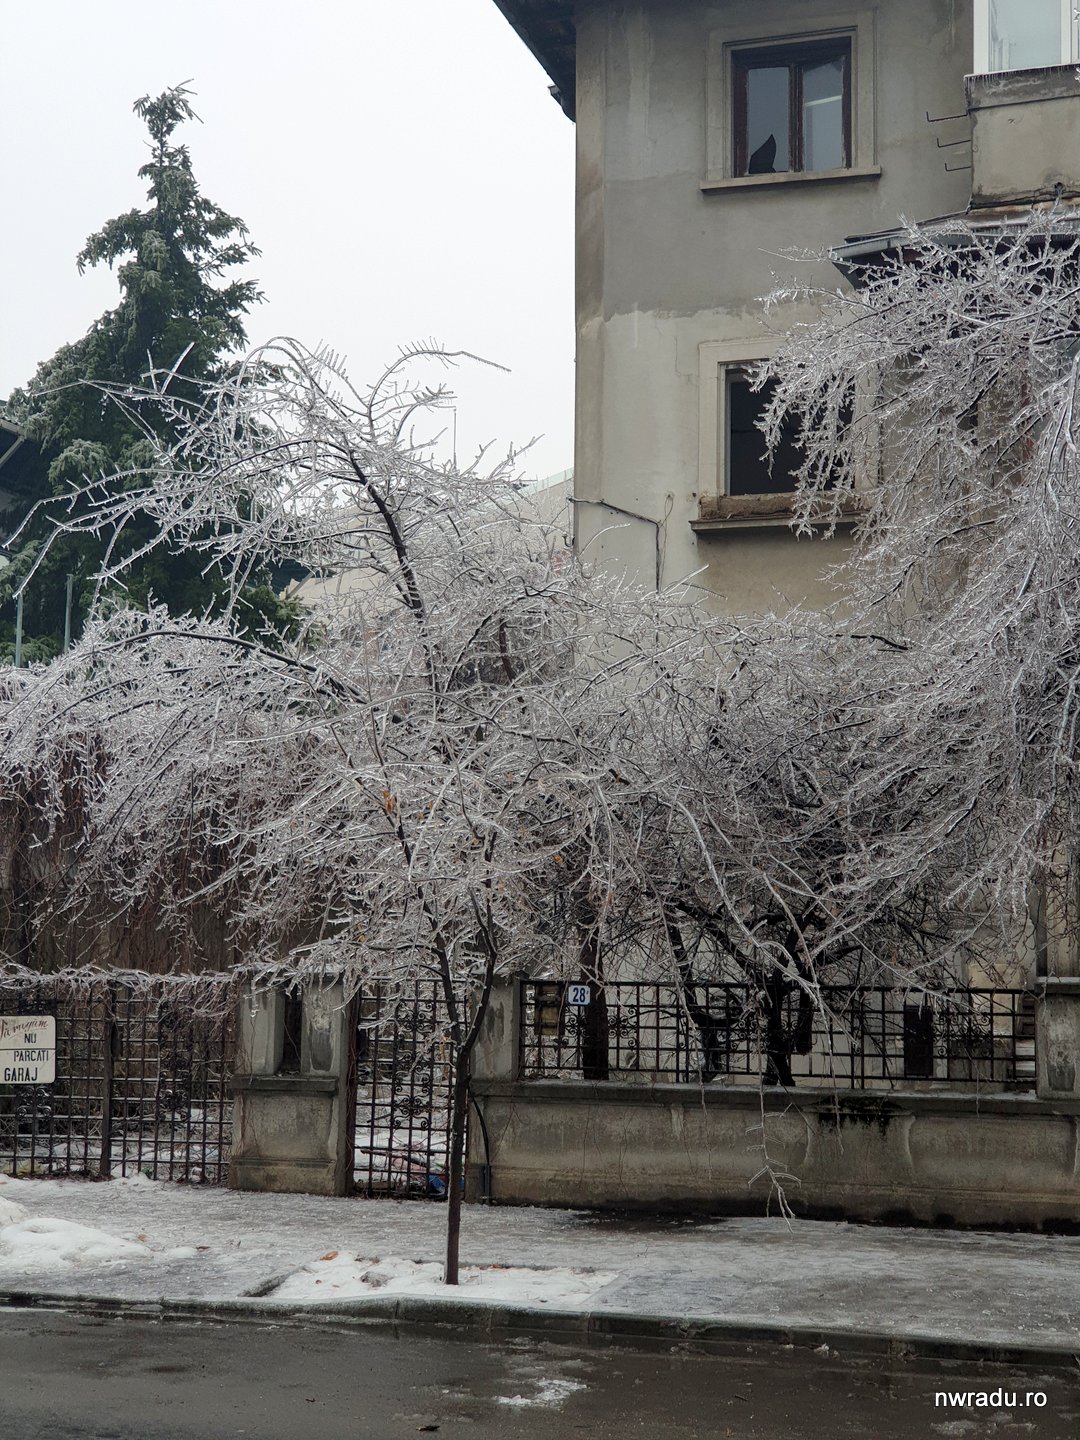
(595, 1032)
(456, 1172)
(465, 1041)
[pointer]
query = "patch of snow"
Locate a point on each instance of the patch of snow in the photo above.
(135, 1180)
(44, 1243)
(548, 1393)
(340, 1277)
(11, 1211)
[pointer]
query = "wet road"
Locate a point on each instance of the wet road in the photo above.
(66, 1376)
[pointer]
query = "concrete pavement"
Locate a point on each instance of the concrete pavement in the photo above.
(903, 1292)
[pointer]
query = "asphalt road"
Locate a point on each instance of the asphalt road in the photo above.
(65, 1376)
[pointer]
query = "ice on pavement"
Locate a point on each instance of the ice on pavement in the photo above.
(548, 1393)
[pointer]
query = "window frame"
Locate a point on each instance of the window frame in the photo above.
(716, 359)
(796, 57)
(1069, 47)
(727, 375)
(748, 32)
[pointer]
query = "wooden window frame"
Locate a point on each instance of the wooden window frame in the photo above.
(796, 57)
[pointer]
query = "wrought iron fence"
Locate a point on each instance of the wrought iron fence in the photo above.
(853, 1037)
(404, 1084)
(141, 1083)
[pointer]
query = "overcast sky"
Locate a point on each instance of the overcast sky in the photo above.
(399, 163)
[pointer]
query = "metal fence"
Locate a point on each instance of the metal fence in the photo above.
(404, 1084)
(853, 1037)
(142, 1083)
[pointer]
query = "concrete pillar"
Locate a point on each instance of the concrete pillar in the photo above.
(1057, 1010)
(495, 1060)
(1057, 1038)
(496, 1055)
(292, 1131)
(260, 1034)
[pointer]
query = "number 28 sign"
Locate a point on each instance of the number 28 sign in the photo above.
(578, 995)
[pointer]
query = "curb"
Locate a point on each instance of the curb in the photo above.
(473, 1320)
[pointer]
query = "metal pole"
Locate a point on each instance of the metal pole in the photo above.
(67, 612)
(18, 629)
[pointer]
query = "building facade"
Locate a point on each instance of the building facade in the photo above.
(716, 144)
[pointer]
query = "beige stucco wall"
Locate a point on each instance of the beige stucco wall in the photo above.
(666, 266)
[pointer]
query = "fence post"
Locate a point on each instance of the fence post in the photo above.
(290, 1122)
(496, 1054)
(109, 1046)
(1056, 912)
(495, 1059)
(1057, 1043)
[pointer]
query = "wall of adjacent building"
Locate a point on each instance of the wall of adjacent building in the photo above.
(673, 258)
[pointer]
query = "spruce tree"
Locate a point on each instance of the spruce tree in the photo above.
(181, 310)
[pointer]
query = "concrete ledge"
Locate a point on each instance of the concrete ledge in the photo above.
(284, 1084)
(776, 1099)
(472, 1320)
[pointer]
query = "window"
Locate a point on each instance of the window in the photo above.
(787, 106)
(792, 108)
(1025, 34)
(747, 460)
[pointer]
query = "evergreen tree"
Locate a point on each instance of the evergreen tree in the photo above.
(179, 311)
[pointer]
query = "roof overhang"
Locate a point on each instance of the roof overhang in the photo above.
(547, 27)
(862, 254)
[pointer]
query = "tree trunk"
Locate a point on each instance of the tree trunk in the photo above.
(456, 1171)
(593, 1019)
(777, 1041)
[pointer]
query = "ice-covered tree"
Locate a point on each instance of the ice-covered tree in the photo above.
(379, 795)
(941, 388)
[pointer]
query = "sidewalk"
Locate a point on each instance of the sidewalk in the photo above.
(184, 1250)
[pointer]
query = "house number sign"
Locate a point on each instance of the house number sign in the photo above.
(578, 995)
(27, 1049)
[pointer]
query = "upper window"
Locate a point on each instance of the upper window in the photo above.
(1025, 34)
(792, 108)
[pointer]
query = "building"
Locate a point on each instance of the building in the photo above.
(713, 139)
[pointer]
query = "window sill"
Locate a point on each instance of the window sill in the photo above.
(762, 512)
(790, 177)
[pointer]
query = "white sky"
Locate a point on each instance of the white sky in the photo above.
(399, 163)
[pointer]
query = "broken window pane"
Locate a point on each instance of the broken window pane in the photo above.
(792, 108)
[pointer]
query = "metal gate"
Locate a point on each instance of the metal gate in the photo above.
(404, 1083)
(142, 1082)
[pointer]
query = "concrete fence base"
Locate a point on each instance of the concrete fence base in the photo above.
(935, 1158)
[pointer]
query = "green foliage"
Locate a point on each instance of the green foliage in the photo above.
(178, 312)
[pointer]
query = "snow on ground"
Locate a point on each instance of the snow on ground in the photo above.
(47, 1244)
(194, 1242)
(340, 1277)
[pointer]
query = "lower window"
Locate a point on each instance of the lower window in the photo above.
(749, 471)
